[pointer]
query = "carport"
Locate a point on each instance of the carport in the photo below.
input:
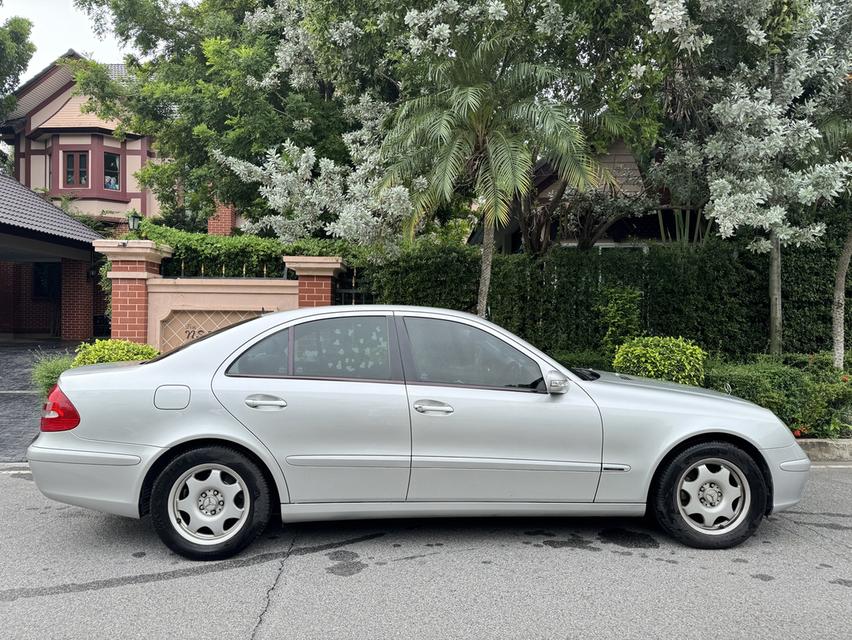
(48, 282)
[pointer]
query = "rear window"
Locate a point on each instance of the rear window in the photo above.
(269, 357)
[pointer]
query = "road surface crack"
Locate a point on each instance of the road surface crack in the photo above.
(272, 588)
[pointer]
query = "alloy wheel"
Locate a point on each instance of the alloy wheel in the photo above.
(209, 504)
(713, 496)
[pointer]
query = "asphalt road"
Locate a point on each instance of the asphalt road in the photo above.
(70, 573)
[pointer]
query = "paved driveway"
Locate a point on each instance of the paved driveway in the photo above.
(70, 573)
(20, 406)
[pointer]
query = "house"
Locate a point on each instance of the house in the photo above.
(627, 181)
(66, 153)
(48, 272)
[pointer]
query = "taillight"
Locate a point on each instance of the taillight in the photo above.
(58, 413)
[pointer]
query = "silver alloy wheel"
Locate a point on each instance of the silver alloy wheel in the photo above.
(713, 496)
(209, 504)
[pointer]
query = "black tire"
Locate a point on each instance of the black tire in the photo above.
(232, 464)
(695, 530)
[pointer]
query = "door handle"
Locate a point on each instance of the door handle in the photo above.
(426, 406)
(256, 403)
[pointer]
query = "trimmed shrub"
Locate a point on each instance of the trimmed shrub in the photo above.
(583, 359)
(816, 405)
(101, 351)
(672, 359)
(47, 368)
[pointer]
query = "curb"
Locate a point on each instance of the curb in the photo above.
(823, 450)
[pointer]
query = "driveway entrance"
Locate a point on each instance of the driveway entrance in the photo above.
(20, 404)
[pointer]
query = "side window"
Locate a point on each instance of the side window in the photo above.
(269, 357)
(447, 352)
(343, 348)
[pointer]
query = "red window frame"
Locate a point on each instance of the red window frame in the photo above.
(75, 169)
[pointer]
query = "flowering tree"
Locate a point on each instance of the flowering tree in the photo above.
(345, 201)
(753, 80)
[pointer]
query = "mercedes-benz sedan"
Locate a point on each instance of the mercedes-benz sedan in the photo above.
(379, 411)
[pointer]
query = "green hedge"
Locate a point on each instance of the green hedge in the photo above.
(47, 367)
(102, 351)
(197, 254)
(811, 402)
(714, 294)
(672, 359)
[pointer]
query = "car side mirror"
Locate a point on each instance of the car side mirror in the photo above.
(556, 382)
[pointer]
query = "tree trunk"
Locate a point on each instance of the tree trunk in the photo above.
(838, 307)
(485, 270)
(775, 322)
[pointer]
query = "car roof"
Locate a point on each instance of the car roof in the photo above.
(304, 312)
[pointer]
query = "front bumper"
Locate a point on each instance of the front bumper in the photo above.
(105, 476)
(790, 468)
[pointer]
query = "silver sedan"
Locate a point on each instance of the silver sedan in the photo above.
(378, 411)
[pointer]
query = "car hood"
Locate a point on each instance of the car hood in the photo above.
(634, 382)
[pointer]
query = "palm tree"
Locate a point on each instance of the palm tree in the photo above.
(479, 128)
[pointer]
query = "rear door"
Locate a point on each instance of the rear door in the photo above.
(483, 426)
(327, 397)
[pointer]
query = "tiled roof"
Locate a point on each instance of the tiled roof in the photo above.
(116, 71)
(70, 116)
(20, 207)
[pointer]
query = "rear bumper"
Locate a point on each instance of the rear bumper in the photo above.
(790, 468)
(104, 476)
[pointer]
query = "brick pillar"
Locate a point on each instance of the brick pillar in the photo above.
(316, 276)
(224, 221)
(77, 297)
(134, 262)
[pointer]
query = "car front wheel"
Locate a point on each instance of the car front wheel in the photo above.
(210, 503)
(711, 496)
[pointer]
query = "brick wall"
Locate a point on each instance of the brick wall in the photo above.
(223, 222)
(31, 315)
(314, 291)
(77, 296)
(7, 297)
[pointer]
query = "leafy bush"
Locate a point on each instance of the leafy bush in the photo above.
(197, 254)
(673, 359)
(47, 368)
(621, 317)
(583, 359)
(810, 404)
(101, 351)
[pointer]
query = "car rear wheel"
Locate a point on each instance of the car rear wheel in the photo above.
(210, 503)
(711, 496)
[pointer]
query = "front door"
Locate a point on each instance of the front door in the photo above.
(483, 426)
(326, 396)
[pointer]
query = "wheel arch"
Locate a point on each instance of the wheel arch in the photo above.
(719, 436)
(173, 452)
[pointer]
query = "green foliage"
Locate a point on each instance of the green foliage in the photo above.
(101, 351)
(584, 359)
(15, 53)
(47, 367)
(191, 88)
(673, 359)
(428, 273)
(810, 401)
(197, 254)
(620, 314)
